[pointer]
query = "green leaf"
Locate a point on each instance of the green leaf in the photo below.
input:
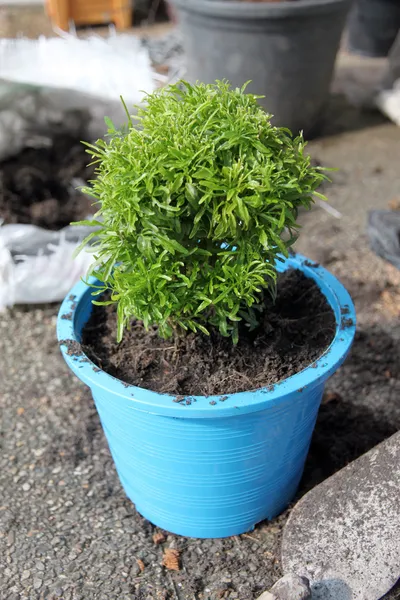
(223, 327)
(109, 124)
(281, 221)
(201, 328)
(177, 184)
(235, 335)
(212, 185)
(242, 211)
(262, 236)
(203, 173)
(321, 196)
(88, 223)
(172, 245)
(203, 305)
(84, 243)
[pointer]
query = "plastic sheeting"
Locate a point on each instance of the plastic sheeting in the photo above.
(384, 234)
(388, 98)
(37, 265)
(68, 84)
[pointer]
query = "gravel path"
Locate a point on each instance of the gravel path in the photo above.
(67, 530)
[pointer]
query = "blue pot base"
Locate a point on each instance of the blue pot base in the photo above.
(208, 468)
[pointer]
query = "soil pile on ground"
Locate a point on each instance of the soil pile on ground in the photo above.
(38, 186)
(294, 332)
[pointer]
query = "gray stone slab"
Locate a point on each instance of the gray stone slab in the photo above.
(344, 535)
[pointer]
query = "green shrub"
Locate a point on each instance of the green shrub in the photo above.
(194, 201)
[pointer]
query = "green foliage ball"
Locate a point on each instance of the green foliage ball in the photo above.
(194, 200)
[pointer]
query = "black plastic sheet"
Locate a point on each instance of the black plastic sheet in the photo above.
(384, 234)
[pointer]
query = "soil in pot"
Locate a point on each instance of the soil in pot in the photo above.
(294, 332)
(38, 186)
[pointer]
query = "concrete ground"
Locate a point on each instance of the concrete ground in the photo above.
(67, 529)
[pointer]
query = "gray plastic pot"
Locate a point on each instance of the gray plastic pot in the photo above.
(373, 27)
(287, 50)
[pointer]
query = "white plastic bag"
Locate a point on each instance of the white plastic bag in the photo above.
(388, 101)
(37, 266)
(68, 85)
(95, 66)
(388, 98)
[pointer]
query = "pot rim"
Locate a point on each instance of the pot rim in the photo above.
(255, 10)
(219, 405)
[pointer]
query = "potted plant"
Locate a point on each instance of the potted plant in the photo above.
(209, 345)
(286, 48)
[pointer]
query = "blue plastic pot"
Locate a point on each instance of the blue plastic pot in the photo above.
(211, 466)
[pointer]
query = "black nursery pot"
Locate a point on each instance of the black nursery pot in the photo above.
(373, 27)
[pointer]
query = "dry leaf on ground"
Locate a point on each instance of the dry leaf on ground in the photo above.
(141, 564)
(171, 559)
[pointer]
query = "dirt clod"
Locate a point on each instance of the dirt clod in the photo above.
(67, 316)
(159, 538)
(38, 186)
(73, 347)
(346, 322)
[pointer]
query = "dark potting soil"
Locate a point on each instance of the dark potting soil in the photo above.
(38, 186)
(294, 332)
